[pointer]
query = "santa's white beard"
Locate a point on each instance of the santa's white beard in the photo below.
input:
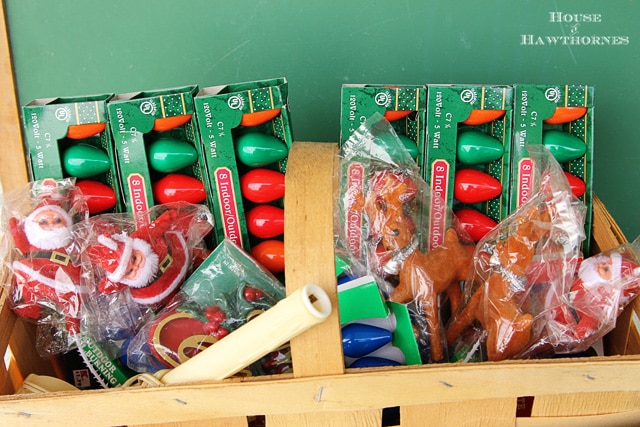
(47, 239)
(148, 270)
(590, 275)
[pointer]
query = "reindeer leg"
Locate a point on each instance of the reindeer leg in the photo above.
(508, 328)
(430, 307)
(455, 297)
(463, 320)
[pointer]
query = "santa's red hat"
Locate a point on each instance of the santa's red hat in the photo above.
(174, 270)
(112, 253)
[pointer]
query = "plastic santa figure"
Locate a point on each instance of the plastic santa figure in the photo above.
(153, 261)
(605, 284)
(45, 278)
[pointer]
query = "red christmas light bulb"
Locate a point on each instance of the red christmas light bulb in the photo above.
(473, 186)
(178, 188)
(100, 197)
(578, 187)
(475, 223)
(265, 221)
(269, 254)
(262, 185)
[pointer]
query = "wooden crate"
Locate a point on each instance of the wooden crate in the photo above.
(588, 391)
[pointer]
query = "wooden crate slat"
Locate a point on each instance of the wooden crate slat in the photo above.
(484, 412)
(356, 391)
(565, 405)
(371, 418)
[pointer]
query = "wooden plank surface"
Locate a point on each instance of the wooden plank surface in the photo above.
(355, 391)
(486, 412)
(309, 256)
(13, 169)
(606, 232)
(619, 419)
(584, 403)
(219, 422)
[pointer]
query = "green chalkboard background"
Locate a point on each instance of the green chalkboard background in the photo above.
(71, 47)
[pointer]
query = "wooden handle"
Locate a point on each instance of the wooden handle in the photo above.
(309, 255)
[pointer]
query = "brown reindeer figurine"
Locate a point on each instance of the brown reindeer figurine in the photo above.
(494, 304)
(422, 276)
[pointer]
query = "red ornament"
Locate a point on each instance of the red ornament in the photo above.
(221, 333)
(473, 186)
(178, 188)
(215, 315)
(262, 185)
(251, 294)
(475, 223)
(171, 338)
(265, 221)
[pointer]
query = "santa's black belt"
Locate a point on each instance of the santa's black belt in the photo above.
(54, 256)
(166, 262)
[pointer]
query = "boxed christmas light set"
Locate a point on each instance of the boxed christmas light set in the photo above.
(404, 106)
(560, 117)
(468, 154)
(245, 131)
(70, 137)
(156, 147)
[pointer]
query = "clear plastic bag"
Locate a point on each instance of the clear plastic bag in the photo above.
(45, 281)
(225, 292)
(604, 285)
(523, 267)
(381, 221)
(131, 271)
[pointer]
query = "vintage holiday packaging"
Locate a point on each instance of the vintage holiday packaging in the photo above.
(404, 106)
(155, 143)
(69, 137)
(561, 118)
(467, 158)
(245, 129)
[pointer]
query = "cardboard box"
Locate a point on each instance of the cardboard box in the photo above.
(138, 120)
(68, 137)
(561, 109)
(250, 115)
(483, 112)
(404, 106)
